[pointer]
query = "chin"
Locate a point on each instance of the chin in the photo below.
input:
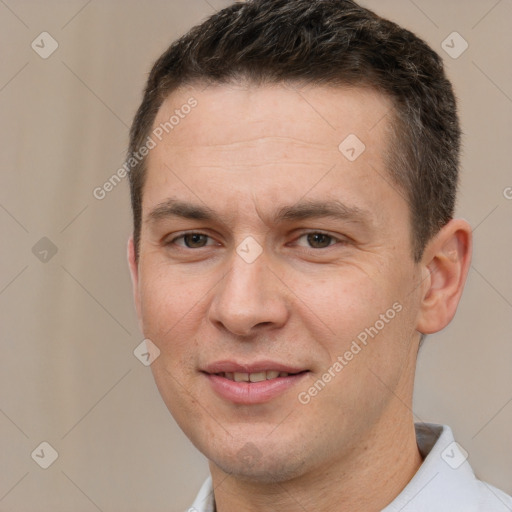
(260, 465)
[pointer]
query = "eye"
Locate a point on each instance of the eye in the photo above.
(191, 240)
(319, 240)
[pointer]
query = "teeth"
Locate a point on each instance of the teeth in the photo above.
(258, 377)
(254, 377)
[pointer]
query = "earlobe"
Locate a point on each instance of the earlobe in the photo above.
(446, 262)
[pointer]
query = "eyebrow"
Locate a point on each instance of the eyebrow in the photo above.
(177, 208)
(334, 209)
(303, 210)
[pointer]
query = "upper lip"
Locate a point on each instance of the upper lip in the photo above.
(254, 367)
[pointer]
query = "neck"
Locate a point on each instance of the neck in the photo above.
(367, 481)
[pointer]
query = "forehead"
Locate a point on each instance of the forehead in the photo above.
(313, 114)
(267, 141)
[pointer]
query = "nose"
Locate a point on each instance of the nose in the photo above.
(250, 298)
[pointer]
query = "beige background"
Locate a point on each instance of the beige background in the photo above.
(67, 326)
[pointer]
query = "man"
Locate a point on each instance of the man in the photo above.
(293, 197)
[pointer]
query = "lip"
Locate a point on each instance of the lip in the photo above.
(257, 366)
(250, 393)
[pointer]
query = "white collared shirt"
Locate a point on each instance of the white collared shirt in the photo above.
(444, 482)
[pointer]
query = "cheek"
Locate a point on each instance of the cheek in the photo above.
(171, 304)
(362, 321)
(340, 305)
(169, 300)
(172, 309)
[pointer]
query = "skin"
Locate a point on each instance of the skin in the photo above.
(245, 152)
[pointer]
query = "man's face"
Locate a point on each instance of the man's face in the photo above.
(266, 249)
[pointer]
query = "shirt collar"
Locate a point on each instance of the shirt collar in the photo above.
(204, 501)
(444, 482)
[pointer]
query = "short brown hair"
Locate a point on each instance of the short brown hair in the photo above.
(325, 42)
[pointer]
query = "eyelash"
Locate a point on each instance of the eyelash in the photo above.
(305, 234)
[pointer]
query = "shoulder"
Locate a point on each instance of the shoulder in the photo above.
(445, 482)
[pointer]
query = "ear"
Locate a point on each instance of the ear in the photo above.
(445, 265)
(134, 273)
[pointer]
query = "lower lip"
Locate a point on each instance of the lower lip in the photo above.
(248, 393)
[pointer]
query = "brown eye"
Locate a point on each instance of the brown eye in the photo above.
(319, 240)
(195, 240)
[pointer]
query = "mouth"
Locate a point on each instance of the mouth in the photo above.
(250, 384)
(255, 376)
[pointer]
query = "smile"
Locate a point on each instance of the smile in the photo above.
(250, 384)
(253, 377)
